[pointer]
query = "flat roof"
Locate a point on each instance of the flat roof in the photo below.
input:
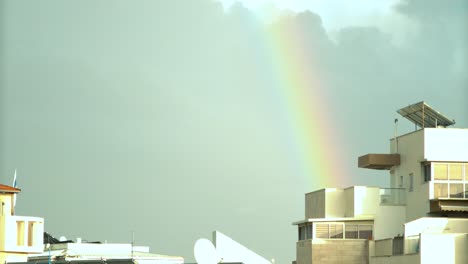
(424, 115)
(335, 219)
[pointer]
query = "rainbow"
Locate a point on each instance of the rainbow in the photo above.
(302, 94)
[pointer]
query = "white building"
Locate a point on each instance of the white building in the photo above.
(22, 241)
(421, 218)
(19, 235)
(84, 252)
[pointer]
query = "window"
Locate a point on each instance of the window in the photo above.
(309, 231)
(426, 172)
(440, 171)
(20, 233)
(351, 231)
(302, 232)
(440, 190)
(305, 231)
(411, 181)
(343, 231)
(455, 171)
(450, 180)
(336, 231)
(456, 190)
(401, 182)
(365, 231)
(31, 237)
(321, 231)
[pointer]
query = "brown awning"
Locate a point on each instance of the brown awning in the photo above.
(449, 206)
(379, 161)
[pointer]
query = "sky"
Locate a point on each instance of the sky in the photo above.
(175, 118)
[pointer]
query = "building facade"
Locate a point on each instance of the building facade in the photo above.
(19, 235)
(421, 218)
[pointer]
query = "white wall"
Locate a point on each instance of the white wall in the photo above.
(411, 150)
(335, 203)
(233, 252)
(366, 200)
(349, 202)
(443, 248)
(443, 144)
(9, 234)
(389, 221)
(436, 225)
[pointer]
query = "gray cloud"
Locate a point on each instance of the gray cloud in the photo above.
(159, 116)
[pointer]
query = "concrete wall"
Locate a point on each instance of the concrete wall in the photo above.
(444, 144)
(436, 225)
(389, 221)
(315, 204)
(461, 246)
(6, 204)
(304, 252)
(325, 203)
(411, 150)
(403, 259)
(13, 257)
(361, 201)
(383, 247)
(349, 202)
(320, 251)
(444, 248)
(334, 203)
(27, 238)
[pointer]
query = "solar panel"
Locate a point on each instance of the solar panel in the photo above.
(424, 115)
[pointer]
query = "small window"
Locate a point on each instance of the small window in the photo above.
(401, 182)
(302, 232)
(309, 231)
(411, 182)
(20, 233)
(426, 172)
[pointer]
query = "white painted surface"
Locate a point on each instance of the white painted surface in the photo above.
(334, 203)
(389, 222)
(436, 225)
(232, 251)
(445, 144)
(9, 234)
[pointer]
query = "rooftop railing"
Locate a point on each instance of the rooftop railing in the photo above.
(392, 196)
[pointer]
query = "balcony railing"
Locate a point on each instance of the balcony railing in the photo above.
(392, 196)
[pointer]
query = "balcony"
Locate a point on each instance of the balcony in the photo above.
(379, 161)
(21, 234)
(392, 196)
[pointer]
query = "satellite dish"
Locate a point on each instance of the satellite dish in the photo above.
(205, 252)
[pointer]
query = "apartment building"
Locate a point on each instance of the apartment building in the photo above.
(422, 217)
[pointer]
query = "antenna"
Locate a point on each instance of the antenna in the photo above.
(395, 135)
(133, 241)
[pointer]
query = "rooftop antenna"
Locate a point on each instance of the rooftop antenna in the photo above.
(395, 135)
(133, 241)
